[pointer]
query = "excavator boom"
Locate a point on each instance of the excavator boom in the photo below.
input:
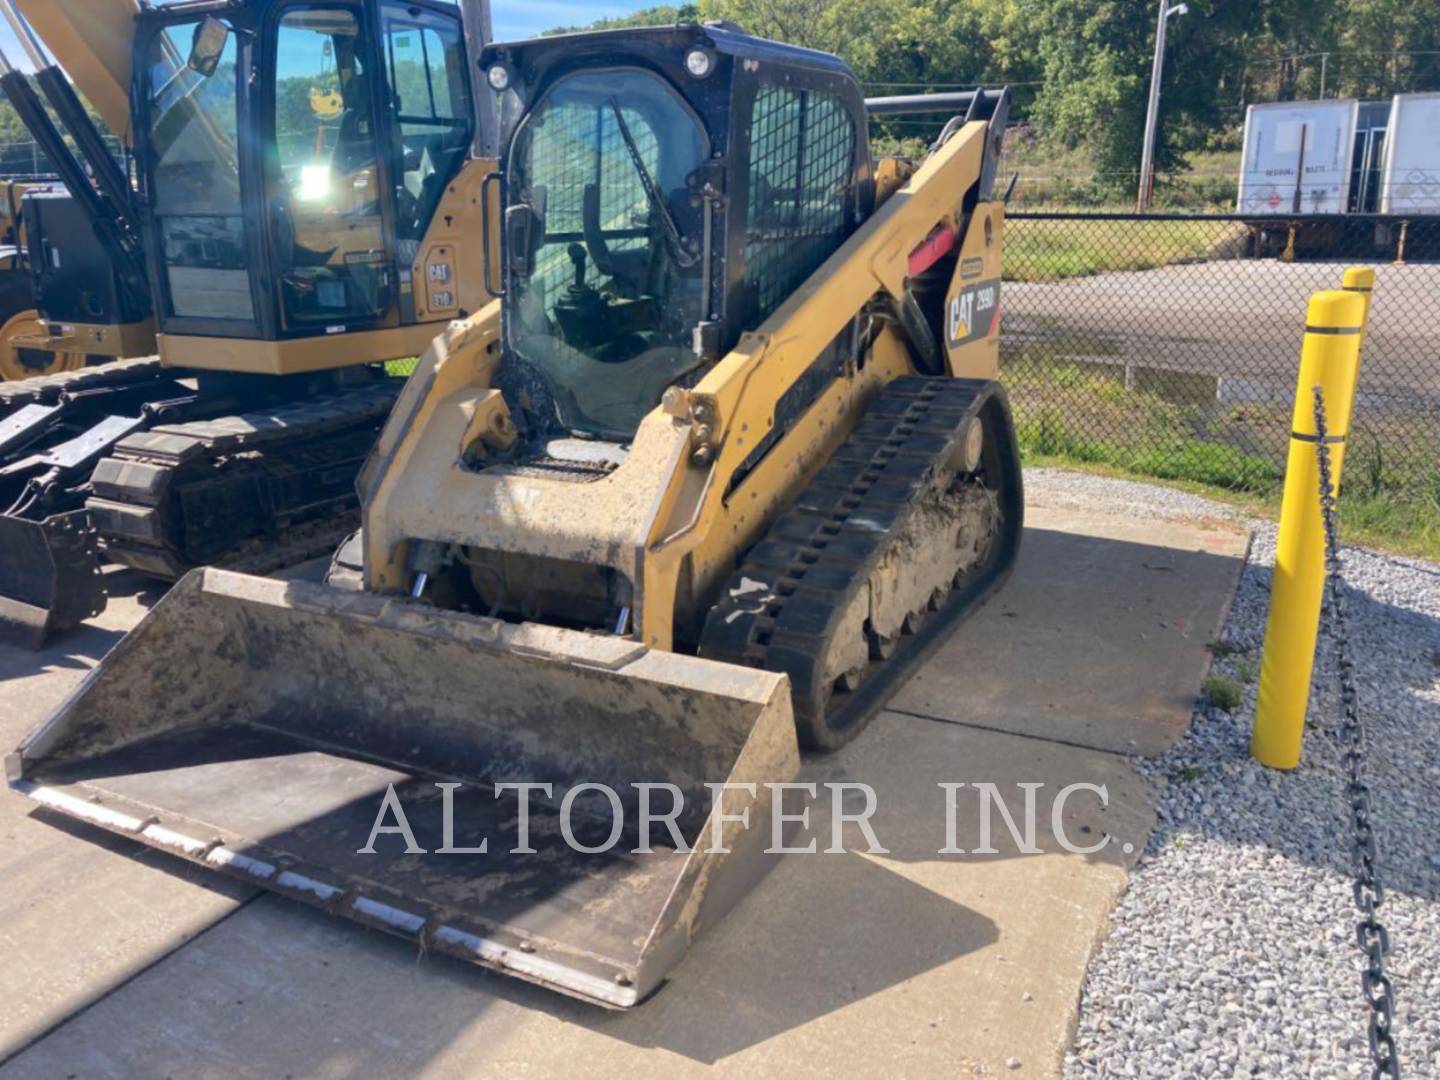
(93, 41)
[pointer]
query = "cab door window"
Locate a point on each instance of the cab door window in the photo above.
(431, 113)
(195, 178)
(326, 224)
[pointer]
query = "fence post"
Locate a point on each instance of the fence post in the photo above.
(1329, 359)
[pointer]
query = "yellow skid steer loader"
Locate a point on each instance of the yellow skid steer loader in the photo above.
(724, 458)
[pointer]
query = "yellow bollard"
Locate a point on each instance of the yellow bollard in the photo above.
(1360, 279)
(1330, 359)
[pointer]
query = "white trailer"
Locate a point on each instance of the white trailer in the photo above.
(1410, 181)
(1297, 157)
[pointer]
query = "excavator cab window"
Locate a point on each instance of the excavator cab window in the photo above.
(295, 153)
(326, 224)
(432, 111)
(195, 187)
(607, 254)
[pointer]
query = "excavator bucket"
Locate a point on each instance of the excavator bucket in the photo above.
(297, 737)
(50, 576)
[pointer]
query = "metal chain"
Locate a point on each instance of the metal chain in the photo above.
(1371, 936)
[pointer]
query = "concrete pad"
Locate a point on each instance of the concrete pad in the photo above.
(82, 911)
(903, 963)
(1099, 637)
(34, 682)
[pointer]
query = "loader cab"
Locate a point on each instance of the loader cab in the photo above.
(292, 154)
(664, 191)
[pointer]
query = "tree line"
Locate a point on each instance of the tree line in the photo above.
(1080, 69)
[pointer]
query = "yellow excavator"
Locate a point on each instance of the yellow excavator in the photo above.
(726, 456)
(255, 256)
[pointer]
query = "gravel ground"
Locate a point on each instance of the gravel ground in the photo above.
(1233, 951)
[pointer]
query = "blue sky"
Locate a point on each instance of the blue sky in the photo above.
(513, 19)
(526, 18)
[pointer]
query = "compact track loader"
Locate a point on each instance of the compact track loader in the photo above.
(727, 455)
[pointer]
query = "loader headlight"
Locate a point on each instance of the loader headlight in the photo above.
(499, 77)
(699, 62)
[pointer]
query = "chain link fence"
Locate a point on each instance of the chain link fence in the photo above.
(24, 160)
(1168, 345)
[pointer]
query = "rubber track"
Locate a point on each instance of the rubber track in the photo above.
(177, 443)
(780, 607)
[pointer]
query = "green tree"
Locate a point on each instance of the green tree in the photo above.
(800, 22)
(1094, 65)
(1387, 42)
(1091, 60)
(661, 15)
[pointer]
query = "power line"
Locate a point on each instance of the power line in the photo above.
(1342, 52)
(996, 83)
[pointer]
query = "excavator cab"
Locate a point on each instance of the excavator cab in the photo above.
(311, 222)
(298, 180)
(659, 200)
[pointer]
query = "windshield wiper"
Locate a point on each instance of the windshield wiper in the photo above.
(672, 231)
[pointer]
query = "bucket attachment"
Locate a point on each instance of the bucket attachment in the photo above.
(50, 576)
(265, 728)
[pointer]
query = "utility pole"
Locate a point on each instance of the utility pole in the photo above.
(1152, 111)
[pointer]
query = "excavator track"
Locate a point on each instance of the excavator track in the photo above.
(53, 429)
(252, 491)
(906, 530)
(46, 389)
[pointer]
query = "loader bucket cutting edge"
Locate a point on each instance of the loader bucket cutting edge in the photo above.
(255, 726)
(49, 576)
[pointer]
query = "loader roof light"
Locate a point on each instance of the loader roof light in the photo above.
(499, 77)
(699, 62)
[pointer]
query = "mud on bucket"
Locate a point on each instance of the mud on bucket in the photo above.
(258, 727)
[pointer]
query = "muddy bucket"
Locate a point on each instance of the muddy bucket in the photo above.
(360, 754)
